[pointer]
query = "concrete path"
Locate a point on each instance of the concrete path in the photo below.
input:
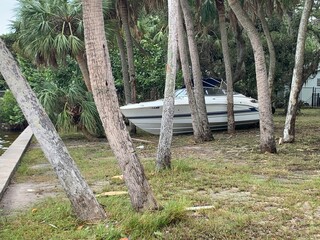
(9, 159)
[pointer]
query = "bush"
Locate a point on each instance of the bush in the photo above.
(10, 113)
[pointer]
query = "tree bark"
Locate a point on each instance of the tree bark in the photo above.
(105, 97)
(163, 160)
(267, 142)
(184, 59)
(124, 67)
(227, 65)
(196, 72)
(272, 53)
(123, 10)
(297, 77)
(82, 199)
(239, 70)
(82, 61)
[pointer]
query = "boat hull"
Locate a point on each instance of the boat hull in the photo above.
(147, 116)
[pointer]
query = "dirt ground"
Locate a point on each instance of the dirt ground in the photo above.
(19, 196)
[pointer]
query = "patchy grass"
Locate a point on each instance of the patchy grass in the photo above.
(255, 196)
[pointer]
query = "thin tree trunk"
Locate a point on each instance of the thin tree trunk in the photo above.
(82, 61)
(163, 160)
(124, 67)
(184, 58)
(123, 7)
(82, 199)
(239, 70)
(267, 142)
(196, 72)
(297, 80)
(105, 97)
(272, 53)
(227, 65)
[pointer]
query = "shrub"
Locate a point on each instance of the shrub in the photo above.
(10, 113)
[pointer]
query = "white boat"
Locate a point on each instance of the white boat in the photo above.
(147, 115)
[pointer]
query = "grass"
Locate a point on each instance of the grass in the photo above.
(255, 196)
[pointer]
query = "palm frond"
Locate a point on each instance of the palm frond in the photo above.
(64, 122)
(50, 100)
(90, 118)
(61, 44)
(76, 45)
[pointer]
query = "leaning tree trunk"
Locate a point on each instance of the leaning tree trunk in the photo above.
(184, 59)
(82, 61)
(105, 97)
(272, 52)
(227, 65)
(196, 71)
(297, 79)
(124, 67)
(82, 199)
(124, 14)
(163, 160)
(267, 142)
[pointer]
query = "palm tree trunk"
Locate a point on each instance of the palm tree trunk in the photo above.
(297, 80)
(163, 160)
(105, 97)
(124, 67)
(272, 53)
(183, 53)
(227, 65)
(267, 142)
(82, 199)
(123, 7)
(239, 69)
(82, 61)
(196, 71)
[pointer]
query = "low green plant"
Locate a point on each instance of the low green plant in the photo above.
(10, 113)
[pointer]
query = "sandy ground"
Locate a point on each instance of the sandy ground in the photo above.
(20, 196)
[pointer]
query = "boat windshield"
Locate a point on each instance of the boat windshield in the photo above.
(207, 92)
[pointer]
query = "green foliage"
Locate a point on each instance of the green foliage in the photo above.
(49, 31)
(150, 60)
(10, 113)
(63, 94)
(71, 107)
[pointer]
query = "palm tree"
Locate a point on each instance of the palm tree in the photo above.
(196, 72)
(272, 53)
(104, 93)
(48, 31)
(163, 160)
(82, 199)
(297, 78)
(124, 16)
(267, 142)
(227, 64)
(185, 66)
(124, 67)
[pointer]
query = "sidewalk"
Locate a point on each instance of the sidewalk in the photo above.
(10, 159)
